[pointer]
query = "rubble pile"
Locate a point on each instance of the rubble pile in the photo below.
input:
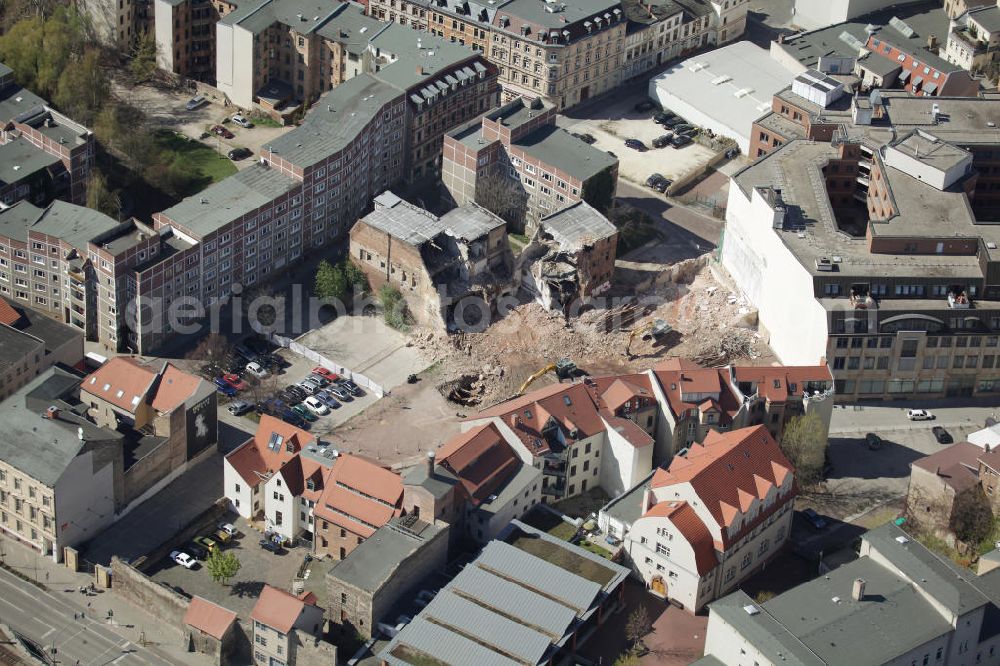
(710, 325)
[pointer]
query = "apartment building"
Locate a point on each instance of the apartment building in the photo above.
(476, 482)
(285, 626)
(31, 343)
(893, 275)
(117, 23)
(974, 38)
(31, 135)
(955, 8)
(716, 515)
(940, 613)
(185, 35)
(540, 168)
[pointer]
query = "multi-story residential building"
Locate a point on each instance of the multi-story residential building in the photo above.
(955, 8)
(185, 35)
(940, 613)
(434, 261)
(974, 38)
(31, 343)
(78, 453)
(285, 626)
(476, 482)
(540, 168)
(716, 515)
(37, 134)
(117, 23)
(893, 276)
(528, 598)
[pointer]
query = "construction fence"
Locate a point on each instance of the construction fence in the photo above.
(314, 356)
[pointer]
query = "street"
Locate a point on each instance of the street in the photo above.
(48, 620)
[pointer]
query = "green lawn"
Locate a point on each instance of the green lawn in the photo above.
(194, 158)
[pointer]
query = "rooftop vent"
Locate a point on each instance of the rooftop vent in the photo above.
(837, 259)
(902, 539)
(750, 609)
(824, 264)
(719, 80)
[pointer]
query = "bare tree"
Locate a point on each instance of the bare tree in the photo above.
(804, 443)
(503, 197)
(638, 625)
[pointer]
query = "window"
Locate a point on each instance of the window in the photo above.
(277, 518)
(662, 550)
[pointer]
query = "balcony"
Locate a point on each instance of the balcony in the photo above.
(863, 302)
(969, 42)
(959, 301)
(77, 274)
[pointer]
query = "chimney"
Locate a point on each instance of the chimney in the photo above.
(430, 464)
(932, 43)
(420, 70)
(781, 38)
(52, 413)
(858, 591)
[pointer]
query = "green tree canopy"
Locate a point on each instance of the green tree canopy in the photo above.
(804, 444)
(971, 517)
(222, 565)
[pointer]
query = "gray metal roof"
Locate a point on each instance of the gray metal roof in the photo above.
(76, 225)
(561, 149)
(577, 225)
(470, 222)
(20, 159)
(375, 559)
(411, 49)
(627, 508)
(988, 18)
(442, 644)
(14, 221)
(516, 485)
(230, 198)
(438, 485)
(335, 121)
(38, 446)
(15, 346)
(351, 27)
(302, 16)
(52, 333)
(534, 12)
(415, 226)
(532, 610)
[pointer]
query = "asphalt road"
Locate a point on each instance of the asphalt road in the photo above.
(964, 413)
(48, 621)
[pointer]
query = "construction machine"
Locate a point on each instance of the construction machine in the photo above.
(657, 328)
(563, 368)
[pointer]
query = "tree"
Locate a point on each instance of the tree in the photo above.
(637, 626)
(213, 348)
(356, 277)
(629, 658)
(599, 191)
(100, 196)
(330, 281)
(804, 444)
(764, 595)
(503, 197)
(971, 517)
(143, 64)
(222, 565)
(83, 87)
(394, 308)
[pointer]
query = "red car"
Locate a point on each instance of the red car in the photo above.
(223, 132)
(235, 382)
(323, 372)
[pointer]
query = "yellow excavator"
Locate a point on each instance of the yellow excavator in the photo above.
(563, 368)
(657, 328)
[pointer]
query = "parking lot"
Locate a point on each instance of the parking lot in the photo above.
(611, 125)
(257, 568)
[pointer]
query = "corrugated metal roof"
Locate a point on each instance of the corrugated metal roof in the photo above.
(498, 632)
(537, 574)
(442, 644)
(511, 599)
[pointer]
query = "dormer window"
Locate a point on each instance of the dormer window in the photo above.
(310, 484)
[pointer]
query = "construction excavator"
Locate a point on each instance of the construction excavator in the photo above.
(563, 368)
(657, 328)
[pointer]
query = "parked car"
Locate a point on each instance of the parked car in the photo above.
(659, 183)
(229, 529)
(297, 391)
(814, 519)
(323, 372)
(267, 544)
(919, 415)
(662, 141)
(222, 536)
(682, 127)
(224, 388)
(207, 543)
(196, 102)
(635, 144)
(244, 352)
(310, 385)
(257, 370)
(316, 406)
(237, 154)
(350, 387)
(242, 121)
(644, 105)
(235, 381)
(319, 379)
(680, 140)
(873, 441)
(197, 551)
(942, 435)
(288, 397)
(304, 413)
(586, 138)
(182, 559)
(239, 407)
(653, 180)
(673, 122)
(223, 132)
(327, 399)
(663, 116)
(339, 392)
(292, 418)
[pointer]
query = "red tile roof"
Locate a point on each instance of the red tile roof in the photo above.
(122, 381)
(210, 618)
(481, 459)
(687, 522)
(680, 379)
(726, 472)
(623, 389)
(268, 451)
(359, 495)
(278, 609)
(174, 388)
(8, 315)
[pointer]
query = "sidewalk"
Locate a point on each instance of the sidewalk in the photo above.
(131, 623)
